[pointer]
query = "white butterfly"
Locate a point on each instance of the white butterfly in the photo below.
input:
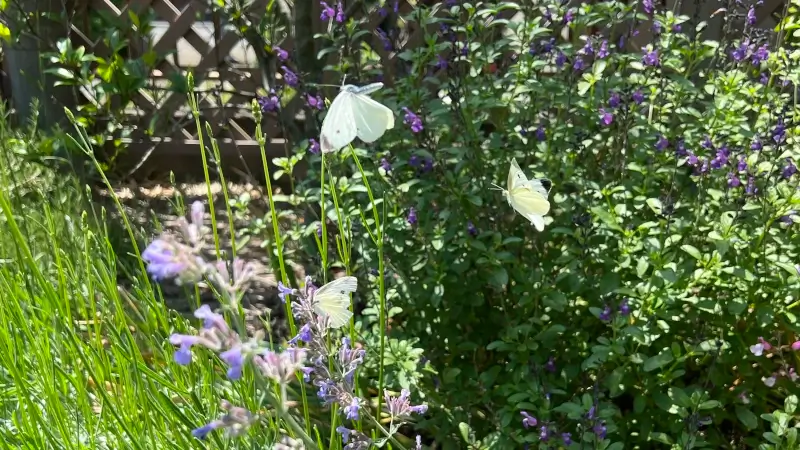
(353, 114)
(333, 300)
(528, 197)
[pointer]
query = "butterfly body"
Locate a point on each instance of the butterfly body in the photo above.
(354, 114)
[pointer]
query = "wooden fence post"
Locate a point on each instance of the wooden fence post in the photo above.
(37, 33)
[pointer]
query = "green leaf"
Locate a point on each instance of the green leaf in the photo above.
(790, 404)
(692, 251)
(658, 361)
(747, 417)
(710, 404)
(499, 277)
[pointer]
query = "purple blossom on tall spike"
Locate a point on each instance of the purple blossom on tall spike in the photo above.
(528, 420)
(603, 52)
(751, 16)
(289, 77)
(282, 54)
(650, 58)
(327, 12)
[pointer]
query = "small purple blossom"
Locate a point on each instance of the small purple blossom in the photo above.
(779, 132)
(387, 43)
(345, 432)
(340, 13)
(600, 430)
(751, 16)
(789, 170)
(235, 359)
(624, 307)
(540, 134)
(638, 97)
(413, 120)
(567, 438)
(400, 406)
(385, 165)
(733, 180)
(351, 410)
(650, 58)
(471, 229)
(203, 432)
(756, 145)
(741, 166)
(606, 117)
(528, 420)
(313, 146)
(561, 58)
(315, 102)
(603, 51)
(721, 158)
(740, 53)
(648, 7)
(441, 63)
(183, 355)
(579, 64)
(761, 54)
(605, 315)
(412, 216)
(614, 100)
(569, 16)
(661, 143)
(282, 54)
(751, 188)
(327, 12)
(550, 365)
(544, 433)
(283, 291)
(289, 77)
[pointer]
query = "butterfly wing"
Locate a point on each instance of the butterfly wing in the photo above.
(531, 204)
(372, 119)
(339, 126)
(333, 300)
(515, 175)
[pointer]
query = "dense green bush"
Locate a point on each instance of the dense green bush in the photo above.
(670, 248)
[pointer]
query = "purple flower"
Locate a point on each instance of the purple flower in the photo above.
(211, 319)
(345, 432)
(387, 43)
(412, 216)
(282, 54)
(269, 103)
(289, 77)
(567, 438)
(656, 27)
(283, 291)
(638, 97)
(692, 159)
(578, 65)
(544, 433)
(759, 348)
(591, 414)
(721, 158)
(756, 145)
(733, 180)
(327, 11)
(624, 307)
(587, 48)
(167, 259)
(183, 355)
(606, 117)
(340, 13)
(603, 52)
(740, 53)
(662, 143)
(789, 170)
(741, 166)
(550, 365)
(313, 146)
(760, 55)
(385, 165)
(561, 58)
(400, 406)
(202, 432)
(779, 132)
(413, 120)
(614, 100)
(540, 134)
(650, 58)
(351, 410)
(600, 430)
(647, 5)
(314, 102)
(680, 148)
(304, 334)
(427, 166)
(235, 360)
(528, 420)
(569, 16)
(471, 229)
(707, 143)
(441, 63)
(751, 16)
(605, 315)
(414, 161)
(676, 28)
(751, 188)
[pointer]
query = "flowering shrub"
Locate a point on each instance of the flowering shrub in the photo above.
(670, 247)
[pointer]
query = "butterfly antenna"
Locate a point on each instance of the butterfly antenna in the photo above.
(496, 188)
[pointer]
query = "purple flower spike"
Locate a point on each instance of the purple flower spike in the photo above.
(413, 120)
(183, 355)
(283, 291)
(412, 216)
(605, 315)
(345, 432)
(603, 52)
(567, 438)
(162, 260)
(327, 11)
(606, 117)
(650, 58)
(269, 103)
(282, 54)
(662, 143)
(313, 146)
(202, 432)
(339, 13)
(289, 77)
(638, 97)
(351, 410)
(235, 360)
(789, 170)
(751, 16)
(600, 430)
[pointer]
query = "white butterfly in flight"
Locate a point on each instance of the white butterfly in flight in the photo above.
(354, 114)
(528, 197)
(333, 300)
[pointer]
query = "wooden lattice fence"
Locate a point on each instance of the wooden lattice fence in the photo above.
(228, 76)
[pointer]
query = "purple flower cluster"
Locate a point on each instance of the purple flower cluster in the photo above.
(329, 13)
(269, 102)
(235, 422)
(748, 51)
(413, 120)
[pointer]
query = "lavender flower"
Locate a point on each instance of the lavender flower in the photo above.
(183, 355)
(351, 410)
(385, 165)
(528, 420)
(283, 291)
(471, 229)
(756, 145)
(779, 132)
(167, 258)
(600, 430)
(761, 54)
(289, 77)
(614, 100)
(579, 64)
(561, 58)
(569, 16)
(733, 180)
(567, 438)
(413, 120)
(235, 360)
(280, 367)
(624, 307)
(400, 406)
(751, 188)
(314, 102)
(387, 43)
(304, 334)
(721, 158)
(740, 53)
(235, 422)
(648, 7)
(662, 143)
(638, 97)
(412, 216)
(345, 432)
(441, 63)
(339, 13)
(544, 433)
(751, 16)
(540, 134)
